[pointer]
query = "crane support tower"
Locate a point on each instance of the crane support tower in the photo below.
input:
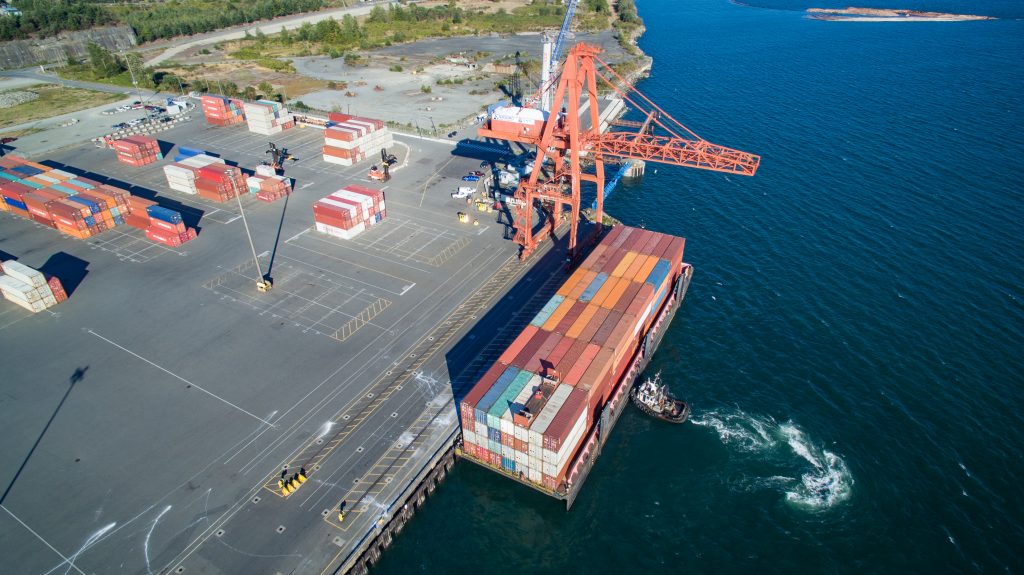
(562, 140)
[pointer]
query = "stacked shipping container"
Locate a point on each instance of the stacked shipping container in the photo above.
(161, 225)
(266, 117)
(349, 211)
(137, 150)
(80, 207)
(76, 206)
(349, 140)
(222, 111)
(28, 288)
(206, 176)
(530, 413)
(267, 185)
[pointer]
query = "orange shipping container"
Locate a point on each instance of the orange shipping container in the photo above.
(577, 291)
(582, 321)
(557, 315)
(614, 297)
(627, 261)
(595, 323)
(571, 282)
(638, 263)
(606, 289)
(645, 270)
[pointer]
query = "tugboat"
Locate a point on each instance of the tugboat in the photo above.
(653, 398)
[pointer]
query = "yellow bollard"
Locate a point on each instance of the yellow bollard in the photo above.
(341, 516)
(301, 477)
(288, 488)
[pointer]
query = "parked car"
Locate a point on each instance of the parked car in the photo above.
(452, 134)
(136, 121)
(6, 140)
(477, 173)
(463, 192)
(470, 178)
(156, 109)
(119, 126)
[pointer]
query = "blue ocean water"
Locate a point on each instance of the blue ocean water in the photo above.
(852, 339)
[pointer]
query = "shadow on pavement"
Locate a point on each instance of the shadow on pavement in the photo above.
(76, 377)
(68, 269)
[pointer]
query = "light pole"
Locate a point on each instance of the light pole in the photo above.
(135, 82)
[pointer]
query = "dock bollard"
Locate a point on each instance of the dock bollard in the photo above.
(302, 475)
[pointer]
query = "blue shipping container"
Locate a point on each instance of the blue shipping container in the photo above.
(11, 177)
(31, 184)
(658, 274)
(493, 434)
(27, 170)
(80, 184)
(591, 291)
(15, 203)
(163, 214)
(485, 403)
(93, 206)
(494, 446)
(188, 152)
(546, 311)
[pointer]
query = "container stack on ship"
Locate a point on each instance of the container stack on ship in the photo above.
(541, 413)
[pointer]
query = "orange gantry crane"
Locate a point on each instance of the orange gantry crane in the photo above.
(563, 140)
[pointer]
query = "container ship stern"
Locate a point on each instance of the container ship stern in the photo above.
(542, 412)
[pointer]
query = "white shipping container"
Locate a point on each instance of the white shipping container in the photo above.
(535, 451)
(46, 178)
(534, 462)
(191, 190)
(521, 459)
(480, 429)
(569, 445)
(34, 307)
(63, 174)
(506, 424)
(24, 274)
(265, 170)
(535, 474)
(507, 451)
(470, 437)
(352, 210)
(338, 161)
(338, 232)
(543, 419)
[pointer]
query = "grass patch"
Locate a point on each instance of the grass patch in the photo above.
(53, 101)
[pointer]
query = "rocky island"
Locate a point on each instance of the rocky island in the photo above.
(852, 14)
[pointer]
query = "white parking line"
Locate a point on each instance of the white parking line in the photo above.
(176, 376)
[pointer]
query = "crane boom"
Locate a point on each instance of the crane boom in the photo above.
(668, 150)
(564, 139)
(556, 54)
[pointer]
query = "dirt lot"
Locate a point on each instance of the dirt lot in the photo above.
(54, 100)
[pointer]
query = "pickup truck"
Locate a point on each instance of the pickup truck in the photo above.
(463, 192)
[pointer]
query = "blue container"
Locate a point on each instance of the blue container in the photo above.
(31, 184)
(493, 434)
(11, 177)
(485, 403)
(93, 206)
(27, 171)
(60, 188)
(658, 274)
(591, 291)
(80, 184)
(494, 446)
(15, 203)
(119, 220)
(508, 463)
(187, 152)
(163, 214)
(90, 221)
(546, 311)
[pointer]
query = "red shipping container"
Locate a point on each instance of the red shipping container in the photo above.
(541, 362)
(560, 427)
(530, 349)
(517, 346)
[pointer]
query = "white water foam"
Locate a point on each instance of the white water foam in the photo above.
(827, 483)
(739, 429)
(824, 478)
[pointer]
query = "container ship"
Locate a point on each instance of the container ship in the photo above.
(543, 410)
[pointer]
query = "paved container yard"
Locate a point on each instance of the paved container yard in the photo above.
(148, 418)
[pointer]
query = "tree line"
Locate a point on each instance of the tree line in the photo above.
(152, 22)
